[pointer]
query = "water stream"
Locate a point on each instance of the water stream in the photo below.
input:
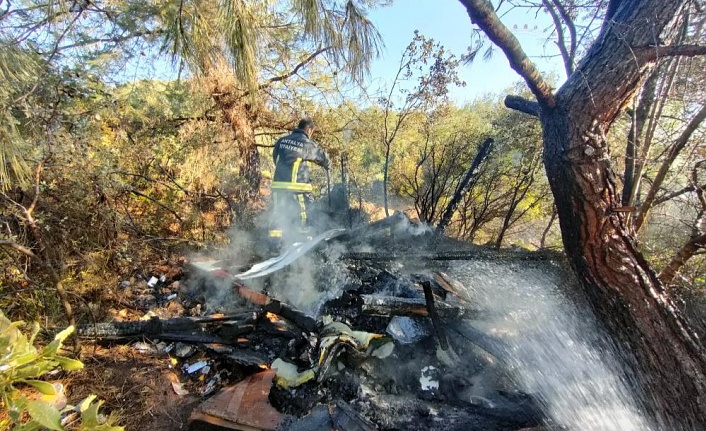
(552, 347)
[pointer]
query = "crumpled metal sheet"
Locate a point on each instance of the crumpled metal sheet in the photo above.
(294, 252)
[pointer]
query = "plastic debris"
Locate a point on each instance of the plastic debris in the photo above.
(210, 386)
(287, 376)
(429, 379)
(143, 347)
(482, 401)
(152, 281)
(183, 350)
(195, 366)
(336, 337)
(406, 330)
(179, 389)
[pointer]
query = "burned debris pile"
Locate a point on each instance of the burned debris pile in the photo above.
(332, 340)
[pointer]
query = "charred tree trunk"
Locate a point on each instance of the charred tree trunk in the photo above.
(483, 153)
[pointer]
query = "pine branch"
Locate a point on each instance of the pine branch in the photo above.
(483, 15)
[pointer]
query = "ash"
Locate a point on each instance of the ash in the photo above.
(365, 332)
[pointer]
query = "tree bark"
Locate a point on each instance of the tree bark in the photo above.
(625, 292)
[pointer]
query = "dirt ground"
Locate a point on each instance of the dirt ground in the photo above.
(136, 387)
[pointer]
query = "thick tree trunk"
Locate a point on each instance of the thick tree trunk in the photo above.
(628, 297)
(624, 290)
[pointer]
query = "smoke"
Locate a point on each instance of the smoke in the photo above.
(209, 282)
(408, 227)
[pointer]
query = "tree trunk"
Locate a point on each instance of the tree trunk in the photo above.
(241, 118)
(635, 143)
(385, 171)
(543, 241)
(668, 360)
(623, 289)
(685, 253)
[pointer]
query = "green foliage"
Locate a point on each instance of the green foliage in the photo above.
(22, 364)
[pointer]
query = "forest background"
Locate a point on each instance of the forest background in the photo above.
(103, 175)
(106, 170)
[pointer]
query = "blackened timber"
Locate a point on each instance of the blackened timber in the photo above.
(395, 306)
(449, 285)
(375, 227)
(272, 305)
(202, 338)
(513, 255)
(465, 184)
(440, 334)
(290, 313)
(156, 325)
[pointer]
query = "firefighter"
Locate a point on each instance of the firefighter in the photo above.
(291, 185)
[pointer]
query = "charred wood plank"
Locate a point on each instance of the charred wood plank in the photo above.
(440, 334)
(193, 338)
(345, 418)
(248, 357)
(395, 306)
(514, 255)
(156, 325)
(204, 338)
(299, 318)
(450, 285)
(373, 228)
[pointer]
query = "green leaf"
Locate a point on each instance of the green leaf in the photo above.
(86, 403)
(54, 346)
(69, 364)
(45, 415)
(61, 336)
(89, 413)
(45, 388)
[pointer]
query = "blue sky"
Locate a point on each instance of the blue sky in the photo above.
(447, 22)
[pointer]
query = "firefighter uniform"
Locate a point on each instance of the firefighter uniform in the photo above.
(291, 184)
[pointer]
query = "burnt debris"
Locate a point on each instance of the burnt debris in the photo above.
(368, 344)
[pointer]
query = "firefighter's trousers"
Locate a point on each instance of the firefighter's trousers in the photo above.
(290, 218)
